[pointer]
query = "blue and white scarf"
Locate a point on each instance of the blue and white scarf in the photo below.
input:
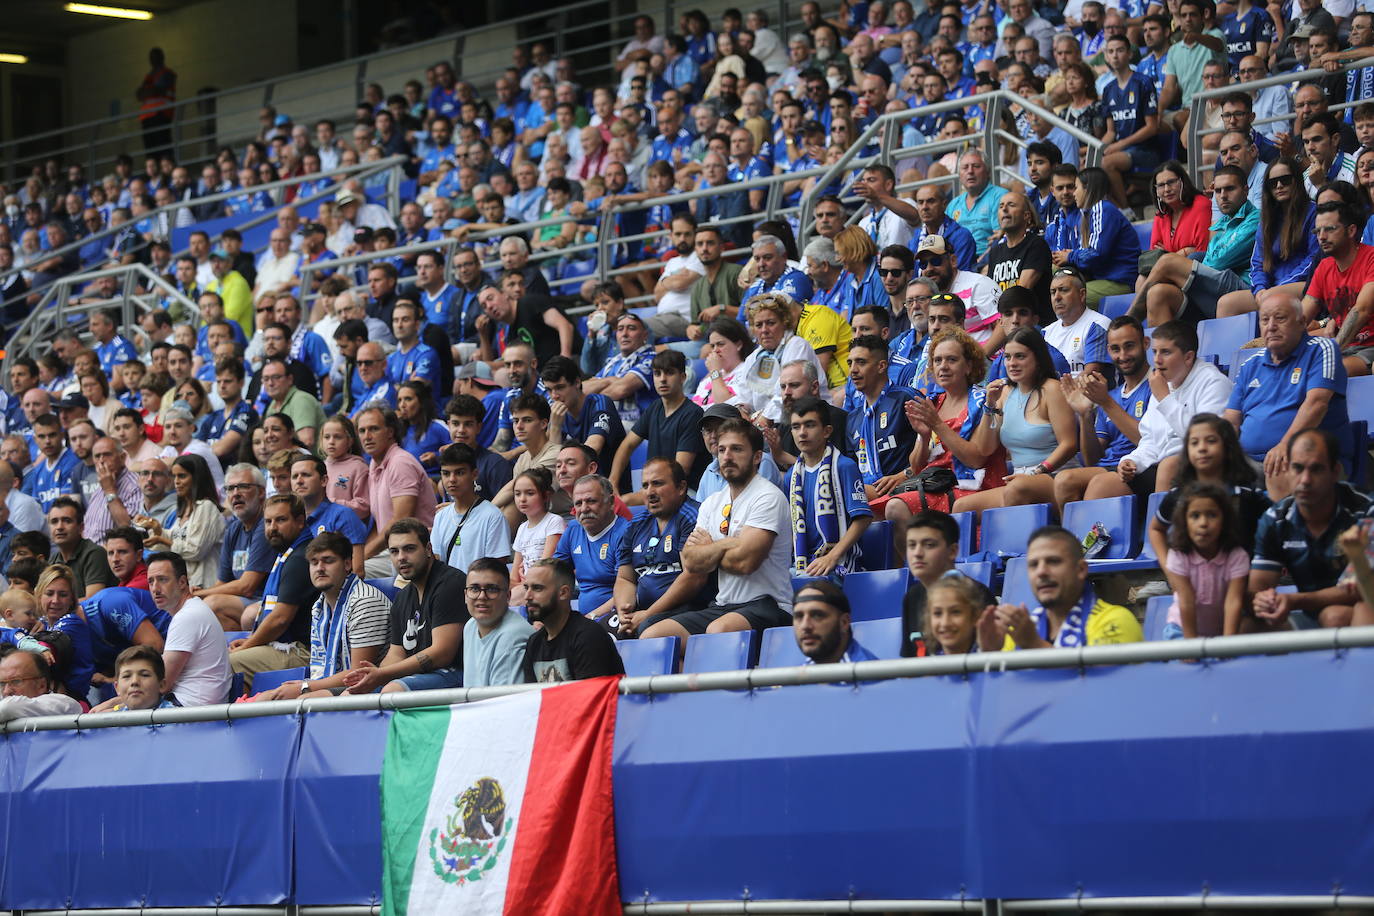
(827, 511)
(328, 626)
(1074, 632)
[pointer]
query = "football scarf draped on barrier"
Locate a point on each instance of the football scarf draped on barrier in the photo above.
(502, 806)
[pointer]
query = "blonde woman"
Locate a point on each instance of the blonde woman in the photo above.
(773, 325)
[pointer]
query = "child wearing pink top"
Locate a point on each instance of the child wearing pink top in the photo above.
(346, 483)
(1206, 565)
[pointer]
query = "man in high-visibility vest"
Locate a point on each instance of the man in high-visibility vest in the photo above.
(156, 94)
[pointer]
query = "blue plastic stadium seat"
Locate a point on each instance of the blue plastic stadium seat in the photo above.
(1142, 232)
(881, 637)
(721, 652)
(874, 595)
(979, 570)
(1005, 530)
(875, 547)
(1115, 306)
(266, 680)
(386, 586)
(639, 456)
(1156, 615)
(968, 527)
(1016, 584)
(1359, 399)
(1223, 337)
(236, 686)
(1116, 514)
(1240, 357)
(232, 635)
(780, 649)
(648, 657)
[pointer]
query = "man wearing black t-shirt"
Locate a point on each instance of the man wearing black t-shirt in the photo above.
(1021, 257)
(671, 425)
(569, 647)
(281, 635)
(427, 618)
(534, 319)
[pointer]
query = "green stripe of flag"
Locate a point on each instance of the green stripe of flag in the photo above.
(413, 746)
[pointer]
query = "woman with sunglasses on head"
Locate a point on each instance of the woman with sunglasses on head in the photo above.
(1286, 251)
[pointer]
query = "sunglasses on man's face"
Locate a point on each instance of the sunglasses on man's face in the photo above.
(891, 271)
(930, 260)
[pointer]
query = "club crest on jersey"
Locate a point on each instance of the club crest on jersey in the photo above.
(1297, 374)
(602, 554)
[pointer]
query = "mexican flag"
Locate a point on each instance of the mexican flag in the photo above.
(502, 806)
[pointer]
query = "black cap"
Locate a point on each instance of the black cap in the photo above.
(721, 412)
(75, 399)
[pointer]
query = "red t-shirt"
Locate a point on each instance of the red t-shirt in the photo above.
(1336, 290)
(1193, 229)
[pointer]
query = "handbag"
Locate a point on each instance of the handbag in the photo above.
(1147, 260)
(929, 482)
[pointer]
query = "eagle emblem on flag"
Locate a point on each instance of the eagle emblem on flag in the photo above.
(475, 834)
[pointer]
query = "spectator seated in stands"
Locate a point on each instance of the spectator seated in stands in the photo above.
(977, 292)
(197, 659)
(117, 618)
(1068, 613)
(1182, 215)
(530, 417)
(1106, 249)
(469, 420)
(796, 380)
(533, 318)
(879, 434)
(397, 483)
(495, 636)
(141, 681)
(670, 424)
(1295, 383)
(245, 557)
(1286, 249)
(976, 208)
(28, 688)
(1298, 535)
(568, 646)
(626, 378)
(1108, 418)
(741, 535)
(280, 636)
(469, 527)
(1180, 285)
(820, 623)
(50, 476)
(1342, 289)
(651, 584)
(826, 497)
(932, 201)
(592, 545)
(931, 545)
(427, 619)
(773, 273)
(589, 418)
(1079, 333)
(85, 557)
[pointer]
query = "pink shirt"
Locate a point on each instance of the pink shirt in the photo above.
(1210, 579)
(399, 474)
(347, 484)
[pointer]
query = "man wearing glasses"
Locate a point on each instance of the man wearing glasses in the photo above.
(979, 294)
(26, 687)
(376, 386)
(245, 557)
(1269, 102)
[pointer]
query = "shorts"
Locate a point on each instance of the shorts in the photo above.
(667, 324)
(1143, 483)
(761, 613)
(1144, 157)
(1206, 285)
(1364, 354)
(438, 679)
(1101, 289)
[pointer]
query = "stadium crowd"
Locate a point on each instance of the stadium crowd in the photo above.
(408, 474)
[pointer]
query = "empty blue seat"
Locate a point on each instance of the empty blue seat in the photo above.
(1156, 615)
(648, 657)
(1006, 530)
(721, 652)
(881, 637)
(875, 547)
(878, 594)
(386, 586)
(1117, 516)
(1359, 399)
(1240, 357)
(1223, 337)
(780, 649)
(1115, 306)
(978, 570)
(267, 680)
(1016, 587)
(637, 459)
(968, 527)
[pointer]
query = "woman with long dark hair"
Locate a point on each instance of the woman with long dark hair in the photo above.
(425, 436)
(1108, 247)
(1183, 214)
(1286, 251)
(199, 526)
(1029, 415)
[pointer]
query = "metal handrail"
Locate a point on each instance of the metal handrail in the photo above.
(361, 65)
(361, 170)
(1197, 104)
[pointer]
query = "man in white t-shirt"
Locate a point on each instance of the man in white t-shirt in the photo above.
(673, 292)
(1080, 333)
(937, 260)
(196, 652)
(743, 533)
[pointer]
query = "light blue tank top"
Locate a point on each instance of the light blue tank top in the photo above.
(1027, 443)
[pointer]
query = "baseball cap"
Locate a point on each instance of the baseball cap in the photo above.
(935, 244)
(479, 372)
(179, 410)
(312, 228)
(362, 234)
(75, 399)
(1304, 31)
(281, 120)
(720, 412)
(219, 252)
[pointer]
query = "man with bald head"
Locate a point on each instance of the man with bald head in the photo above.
(277, 269)
(25, 513)
(371, 383)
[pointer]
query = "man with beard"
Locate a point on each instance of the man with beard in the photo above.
(592, 545)
(245, 557)
(820, 623)
(568, 646)
(936, 260)
(281, 633)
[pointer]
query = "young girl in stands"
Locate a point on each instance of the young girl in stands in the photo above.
(537, 537)
(343, 462)
(1206, 565)
(1212, 454)
(953, 605)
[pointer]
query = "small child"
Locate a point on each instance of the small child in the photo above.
(19, 610)
(953, 605)
(1206, 565)
(140, 680)
(23, 572)
(537, 537)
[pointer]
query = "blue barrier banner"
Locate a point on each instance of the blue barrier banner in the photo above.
(338, 808)
(170, 816)
(1239, 777)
